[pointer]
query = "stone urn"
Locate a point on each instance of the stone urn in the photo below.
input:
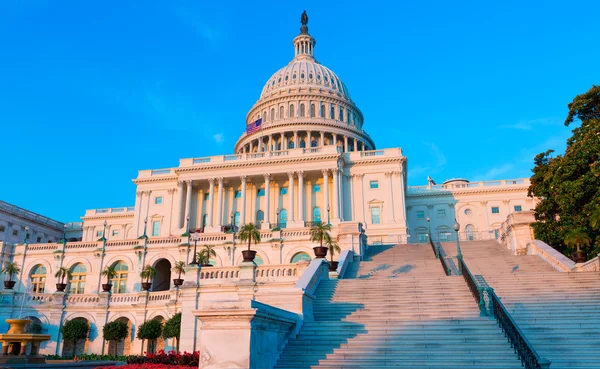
(17, 326)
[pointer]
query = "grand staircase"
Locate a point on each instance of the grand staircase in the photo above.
(558, 312)
(398, 310)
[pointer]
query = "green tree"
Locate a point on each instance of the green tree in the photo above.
(150, 330)
(320, 233)
(207, 252)
(172, 329)
(567, 185)
(62, 273)
(250, 233)
(595, 219)
(115, 331)
(577, 237)
(10, 269)
(179, 268)
(333, 246)
(148, 273)
(74, 330)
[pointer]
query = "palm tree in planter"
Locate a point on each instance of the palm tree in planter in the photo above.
(148, 274)
(595, 219)
(205, 254)
(109, 272)
(320, 233)
(249, 233)
(60, 274)
(333, 248)
(577, 237)
(180, 269)
(10, 269)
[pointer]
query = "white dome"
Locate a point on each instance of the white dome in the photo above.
(305, 73)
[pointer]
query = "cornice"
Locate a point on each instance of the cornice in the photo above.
(155, 179)
(466, 192)
(108, 216)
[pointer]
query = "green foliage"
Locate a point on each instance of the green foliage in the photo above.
(150, 330)
(333, 246)
(567, 185)
(115, 331)
(250, 233)
(179, 268)
(207, 252)
(577, 237)
(109, 272)
(11, 269)
(172, 327)
(320, 232)
(61, 273)
(90, 357)
(148, 273)
(74, 330)
(34, 327)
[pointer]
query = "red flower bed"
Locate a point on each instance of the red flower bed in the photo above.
(160, 360)
(142, 366)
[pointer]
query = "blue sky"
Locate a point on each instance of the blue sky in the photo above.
(91, 92)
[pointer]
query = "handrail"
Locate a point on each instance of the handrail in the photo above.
(524, 349)
(443, 261)
(435, 250)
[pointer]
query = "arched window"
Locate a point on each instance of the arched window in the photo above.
(341, 114)
(119, 282)
(258, 260)
(290, 144)
(312, 110)
(444, 234)
(236, 219)
(470, 232)
(302, 144)
(313, 143)
(77, 282)
(283, 218)
(300, 256)
(281, 113)
(316, 214)
(332, 112)
(322, 112)
(260, 217)
(301, 110)
(265, 115)
(272, 114)
(348, 116)
(291, 111)
(38, 279)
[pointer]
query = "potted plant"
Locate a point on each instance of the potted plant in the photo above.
(319, 233)
(148, 274)
(115, 331)
(205, 254)
(109, 272)
(180, 269)
(172, 329)
(61, 273)
(249, 233)
(74, 330)
(577, 237)
(150, 330)
(10, 269)
(333, 247)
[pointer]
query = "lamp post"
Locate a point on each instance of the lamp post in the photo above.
(429, 227)
(103, 238)
(328, 209)
(277, 212)
(233, 229)
(458, 252)
(195, 237)
(26, 235)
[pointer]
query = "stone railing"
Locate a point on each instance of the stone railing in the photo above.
(107, 211)
(42, 247)
(262, 273)
(125, 298)
(222, 273)
(82, 245)
(39, 298)
(559, 261)
(524, 182)
(83, 299)
(24, 213)
(162, 296)
(120, 243)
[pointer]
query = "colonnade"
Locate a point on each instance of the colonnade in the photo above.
(303, 139)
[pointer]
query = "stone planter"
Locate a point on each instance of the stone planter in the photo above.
(146, 286)
(17, 326)
(205, 265)
(8, 285)
(579, 256)
(320, 251)
(249, 255)
(60, 287)
(177, 282)
(106, 287)
(333, 265)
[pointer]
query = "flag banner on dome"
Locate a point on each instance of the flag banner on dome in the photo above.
(254, 126)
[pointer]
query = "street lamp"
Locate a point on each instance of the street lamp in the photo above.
(103, 238)
(64, 236)
(278, 211)
(429, 227)
(26, 235)
(328, 209)
(458, 253)
(195, 237)
(233, 229)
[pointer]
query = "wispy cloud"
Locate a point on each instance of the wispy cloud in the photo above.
(219, 138)
(196, 20)
(495, 172)
(530, 124)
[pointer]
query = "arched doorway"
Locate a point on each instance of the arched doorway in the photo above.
(470, 232)
(122, 347)
(159, 343)
(162, 281)
(80, 347)
(299, 256)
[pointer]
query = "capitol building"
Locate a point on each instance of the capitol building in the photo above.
(303, 158)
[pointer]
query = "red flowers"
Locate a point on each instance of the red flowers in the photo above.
(160, 360)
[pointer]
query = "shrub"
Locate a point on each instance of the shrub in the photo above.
(150, 330)
(172, 329)
(115, 331)
(74, 330)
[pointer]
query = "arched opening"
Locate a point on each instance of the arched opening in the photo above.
(313, 143)
(332, 112)
(302, 110)
(302, 144)
(38, 279)
(312, 110)
(162, 280)
(80, 347)
(260, 217)
(316, 214)
(322, 111)
(341, 114)
(470, 232)
(258, 260)
(291, 111)
(77, 282)
(422, 236)
(300, 256)
(290, 144)
(122, 347)
(158, 344)
(281, 113)
(444, 234)
(119, 282)
(236, 219)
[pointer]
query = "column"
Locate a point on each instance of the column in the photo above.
(219, 221)
(345, 143)
(334, 139)
(301, 196)
(188, 200)
(211, 202)
(355, 144)
(336, 199)
(295, 139)
(322, 138)
(243, 201)
(251, 146)
(341, 194)
(284, 144)
(308, 138)
(267, 223)
(270, 148)
(325, 193)
(291, 217)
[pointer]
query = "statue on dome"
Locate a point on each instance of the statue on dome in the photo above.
(304, 18)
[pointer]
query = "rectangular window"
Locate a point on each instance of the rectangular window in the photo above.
(495, 210)
(15, 233)
(423, 238)
(441, 213)
(420, 214)
(316, 188)
(260, 192)
(283, 191)
(2, 228)
(115, 232)
(98, 233)
(518, 208)
(158, 200)
(374, 184)
(39, 239)
(156, 228)
(445, 236)
(238, 194)
(375, 215)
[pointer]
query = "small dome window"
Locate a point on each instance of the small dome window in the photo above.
(279, 80)
(273, 83)
(302, 75)
(468, 212)
(287, 77)
(325, 78)
(294, 76)
(310, 76)
(319, 77)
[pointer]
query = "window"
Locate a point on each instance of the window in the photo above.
(156, 228)
(115, 232)
(322, 112)
(495, 210)
(468, 212)
(15, 232)
(236, 219)
(291, 111)
(374, 184)
(283, 218)
(158, 200)
(312, 110)
(260, 217)
(260, 192)
(302, 144)
(375, 215)
(290, 144)
(39, 239)
(98, 234)
(272, 114)
(77, 282)
(332, 112)
(2, 228)
(441, 213)
(316, 188)
(316, 214)
(342, 114)
(300, 256)
(445, 236)
(258, 260)
(119, 282)
(470, 232)
(281, 113)
(422, 237)
(518, 208)
(283, 191)
(238, 194)
(38, 279)
(301, 110)
(420, 214)
(313, 143)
